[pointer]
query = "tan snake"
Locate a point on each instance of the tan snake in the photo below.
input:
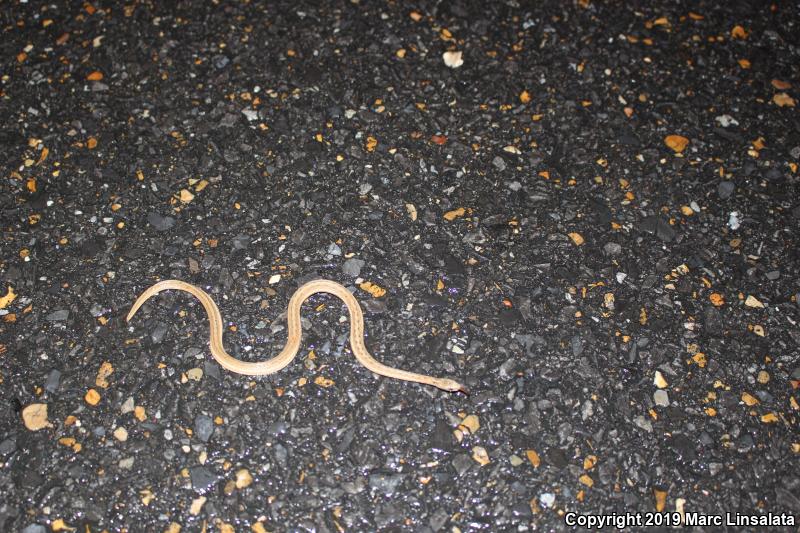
(295, 333)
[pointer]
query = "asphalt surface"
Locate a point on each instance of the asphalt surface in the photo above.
(589, 217)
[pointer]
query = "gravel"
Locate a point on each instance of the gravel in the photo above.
(595, 193)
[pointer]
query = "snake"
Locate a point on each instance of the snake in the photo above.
(295, 332)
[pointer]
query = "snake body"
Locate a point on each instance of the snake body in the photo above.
(289, 351)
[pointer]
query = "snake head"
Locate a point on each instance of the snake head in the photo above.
(451, 385)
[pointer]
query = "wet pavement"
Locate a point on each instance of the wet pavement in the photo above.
(587, 213)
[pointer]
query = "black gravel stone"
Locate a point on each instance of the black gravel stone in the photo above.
(386, 484)
(202, 478)
(159, 222)
(725, 189)
(659, 227)
(203, 427)
(462, 463)
(352, 267)
(8, 446)
(53, 381)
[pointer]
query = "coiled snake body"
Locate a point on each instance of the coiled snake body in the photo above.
(295, 333)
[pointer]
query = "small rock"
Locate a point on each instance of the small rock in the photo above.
(243, 478)
(480, 455)
(734, 221)
(194, 374)
(352, 267)
(453, 59)
(612, 248)
(726, 120)
(160, 223)
(659, 227)
(220, 61)
(34, 416)
(752, 301)
(334, 249)
(499, 163)
(58, 316)
(127, 406)
(203, 427)
(202, 478)
(121, 434)
(462, 462)
(659, 380)
(441, 437)
(547, 499)
(8, 446)
(643, 423)
(92, 397)
(34, 528)
(470, 424)
(197, 505)
(712, 321)
(127, 463)
(661, 397)
(53, 381)
(250, 114)
(385, 483)
(725, 189)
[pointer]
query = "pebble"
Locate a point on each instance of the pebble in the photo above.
(159, 222)
(547, 499)
(34, 416)
(197, 505)
(352, 267)
(734, 221)
(385, 483)
(499, 163)
(441, 437)
(725, 189)
(58, 316)
(659, 227)
(470, 424)
(202, 478)
(121, 434)
(462, 463)
(643, 423)
(243, 478)
(480, 455)
(126, 463)
(194, 374)
(453, 59)
(726, 120)
(8, 446)
(158, 333)
(612, 248)
(661, 397)
(203, 427)
(127, 406)
(34, 528)
(53, 381)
